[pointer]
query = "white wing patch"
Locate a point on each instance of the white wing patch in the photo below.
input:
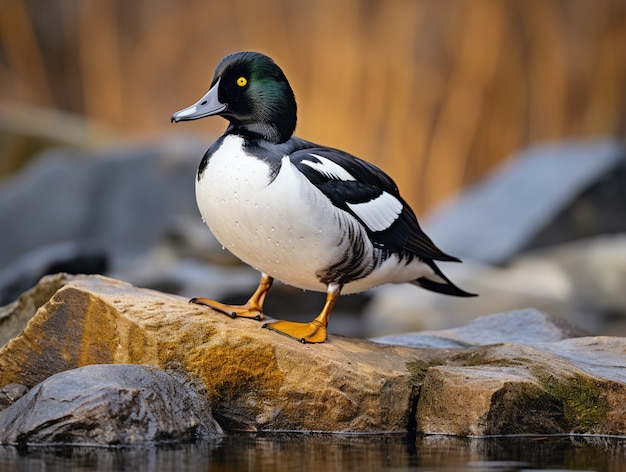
(328, 168)
(379, 213)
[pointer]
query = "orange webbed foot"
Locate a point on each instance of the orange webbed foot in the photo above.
(234, 311)
(313, 332)
(253, 308)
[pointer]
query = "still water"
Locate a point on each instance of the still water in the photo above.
(332, 453)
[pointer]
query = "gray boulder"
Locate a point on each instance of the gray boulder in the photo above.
(92, 212)
(545, 195)
(107, 405)
(527, 326)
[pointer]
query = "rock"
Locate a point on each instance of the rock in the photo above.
(527, 326)
(10, 393)
(254, 378)
(513, 373)
(530, 201)
(519, 389)
(445, 390)
(15, 316)
(120, 200)
(107, 405)
(111, 205)
(545, 376)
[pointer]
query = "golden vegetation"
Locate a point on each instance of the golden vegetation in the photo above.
(435, 92)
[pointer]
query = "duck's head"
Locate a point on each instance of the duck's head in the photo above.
(252, 92)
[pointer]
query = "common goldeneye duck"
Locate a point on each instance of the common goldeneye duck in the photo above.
(308, 215)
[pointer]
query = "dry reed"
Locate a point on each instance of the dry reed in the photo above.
(435, 92)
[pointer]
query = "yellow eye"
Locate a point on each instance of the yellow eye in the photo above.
(242, 81)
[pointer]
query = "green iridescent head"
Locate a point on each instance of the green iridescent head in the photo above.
(252, 92)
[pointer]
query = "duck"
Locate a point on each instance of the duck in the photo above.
(311, 216)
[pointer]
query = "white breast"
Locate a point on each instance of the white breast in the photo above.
(285, 228)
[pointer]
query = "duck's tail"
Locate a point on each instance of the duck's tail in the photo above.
(440, 283)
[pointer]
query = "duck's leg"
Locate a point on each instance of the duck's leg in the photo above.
(315, 331)
(253, 308)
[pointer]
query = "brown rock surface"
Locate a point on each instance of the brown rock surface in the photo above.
(521, 389)
(537, 381)
(255, 378)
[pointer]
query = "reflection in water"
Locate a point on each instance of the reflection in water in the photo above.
(293, 452)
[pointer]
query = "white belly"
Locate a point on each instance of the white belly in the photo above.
(282, 229)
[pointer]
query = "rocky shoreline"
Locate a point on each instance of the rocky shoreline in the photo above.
(104, 362)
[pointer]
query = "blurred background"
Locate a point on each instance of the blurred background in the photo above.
(440, 94)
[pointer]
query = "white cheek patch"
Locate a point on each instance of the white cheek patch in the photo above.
(328, 168)
(379, 213)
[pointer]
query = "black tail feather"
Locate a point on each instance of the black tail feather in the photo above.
(447, 288)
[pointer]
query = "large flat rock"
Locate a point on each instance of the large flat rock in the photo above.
(256, 379)
(520, 372)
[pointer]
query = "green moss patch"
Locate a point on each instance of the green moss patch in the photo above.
(583, 400)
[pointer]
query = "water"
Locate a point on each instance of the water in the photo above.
(288, 452)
